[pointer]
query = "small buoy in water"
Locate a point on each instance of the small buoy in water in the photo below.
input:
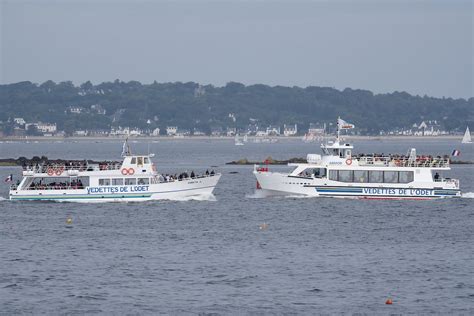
(69, 221)
(263, 226)
(389, 301)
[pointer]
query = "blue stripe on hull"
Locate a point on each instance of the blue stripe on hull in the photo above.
(97, 196)
(359, 192)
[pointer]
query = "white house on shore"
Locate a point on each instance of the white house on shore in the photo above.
(290, 130)
(45, 128)
(273, 130)
(171, 130)
(156, 132)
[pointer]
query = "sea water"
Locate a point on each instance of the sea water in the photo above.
(211, 255)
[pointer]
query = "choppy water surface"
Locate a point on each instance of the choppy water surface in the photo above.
(318, 255)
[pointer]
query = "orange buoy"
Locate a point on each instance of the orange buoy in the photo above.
(263, 226)
(389, 301)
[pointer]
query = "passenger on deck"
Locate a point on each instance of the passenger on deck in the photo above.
(192, 174)
(207, 172)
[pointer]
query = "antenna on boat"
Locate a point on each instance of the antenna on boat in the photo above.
(126, 148)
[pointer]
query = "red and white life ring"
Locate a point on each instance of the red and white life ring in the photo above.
(349, 161)
(58, 171)
(50, 171)
(131, 171)
(124, 171)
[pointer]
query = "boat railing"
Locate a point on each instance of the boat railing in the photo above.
(418, 162)
(52, 168)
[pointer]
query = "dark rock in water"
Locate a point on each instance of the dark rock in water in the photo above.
(268, 161)
(233, 172)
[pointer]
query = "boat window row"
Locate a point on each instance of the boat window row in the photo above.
(371, 176)
(56, 183)
(124, 181)
(140, 161)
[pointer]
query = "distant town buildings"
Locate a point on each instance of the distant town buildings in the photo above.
(424, 128)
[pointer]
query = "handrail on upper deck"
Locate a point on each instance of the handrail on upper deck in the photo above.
(420, 161)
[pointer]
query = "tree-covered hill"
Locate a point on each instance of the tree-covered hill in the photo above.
(189, 105)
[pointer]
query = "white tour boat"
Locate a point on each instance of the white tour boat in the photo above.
(133, 179)
(338, 173)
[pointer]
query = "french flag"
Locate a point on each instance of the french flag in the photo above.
(9, 178)
(456, 153)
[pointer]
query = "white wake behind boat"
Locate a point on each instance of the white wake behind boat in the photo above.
(467, 137)
(133, 179)
(337, 173)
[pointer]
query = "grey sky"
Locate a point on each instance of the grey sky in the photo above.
(422, 47)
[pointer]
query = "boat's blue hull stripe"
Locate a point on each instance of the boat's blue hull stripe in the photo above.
(98, 196)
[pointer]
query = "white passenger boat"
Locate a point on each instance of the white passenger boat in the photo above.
(133, 179)
(339, 173)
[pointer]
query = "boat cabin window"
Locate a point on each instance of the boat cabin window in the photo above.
(130, 181)
(134, 161)
(376, 176)
(104, 182)
(361, 176)
(405, 176)
(390, 177)
(147, 161)
(140, 161)
(371, 176)
(142, 181)
(319, 172)
(118, 181)
(345, 175)
(83, 180)
(313, 172)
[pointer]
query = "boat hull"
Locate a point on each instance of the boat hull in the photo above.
(278, 183)
(175, 190)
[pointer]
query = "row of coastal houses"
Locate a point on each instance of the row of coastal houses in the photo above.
(22, 128)
(425, 128)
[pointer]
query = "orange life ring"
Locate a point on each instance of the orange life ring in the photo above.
(124, 171)
(58, 171)
(50, 171)
(349, 161)
(131, 171)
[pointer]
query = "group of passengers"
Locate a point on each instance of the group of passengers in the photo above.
(401, 157)
(80, 165)
(400, 160)
(40, 185)
(183, 175)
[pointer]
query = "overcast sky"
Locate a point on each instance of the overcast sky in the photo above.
(422, 47)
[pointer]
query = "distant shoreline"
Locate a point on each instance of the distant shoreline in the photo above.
(251, 138)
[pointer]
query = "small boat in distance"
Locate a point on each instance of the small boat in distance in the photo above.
(339, 173)
(467, 137)
(133, 179)
(237, 140)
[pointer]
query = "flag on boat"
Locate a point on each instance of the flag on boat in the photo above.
(341, 124)
(455, 153)
(9, 178)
